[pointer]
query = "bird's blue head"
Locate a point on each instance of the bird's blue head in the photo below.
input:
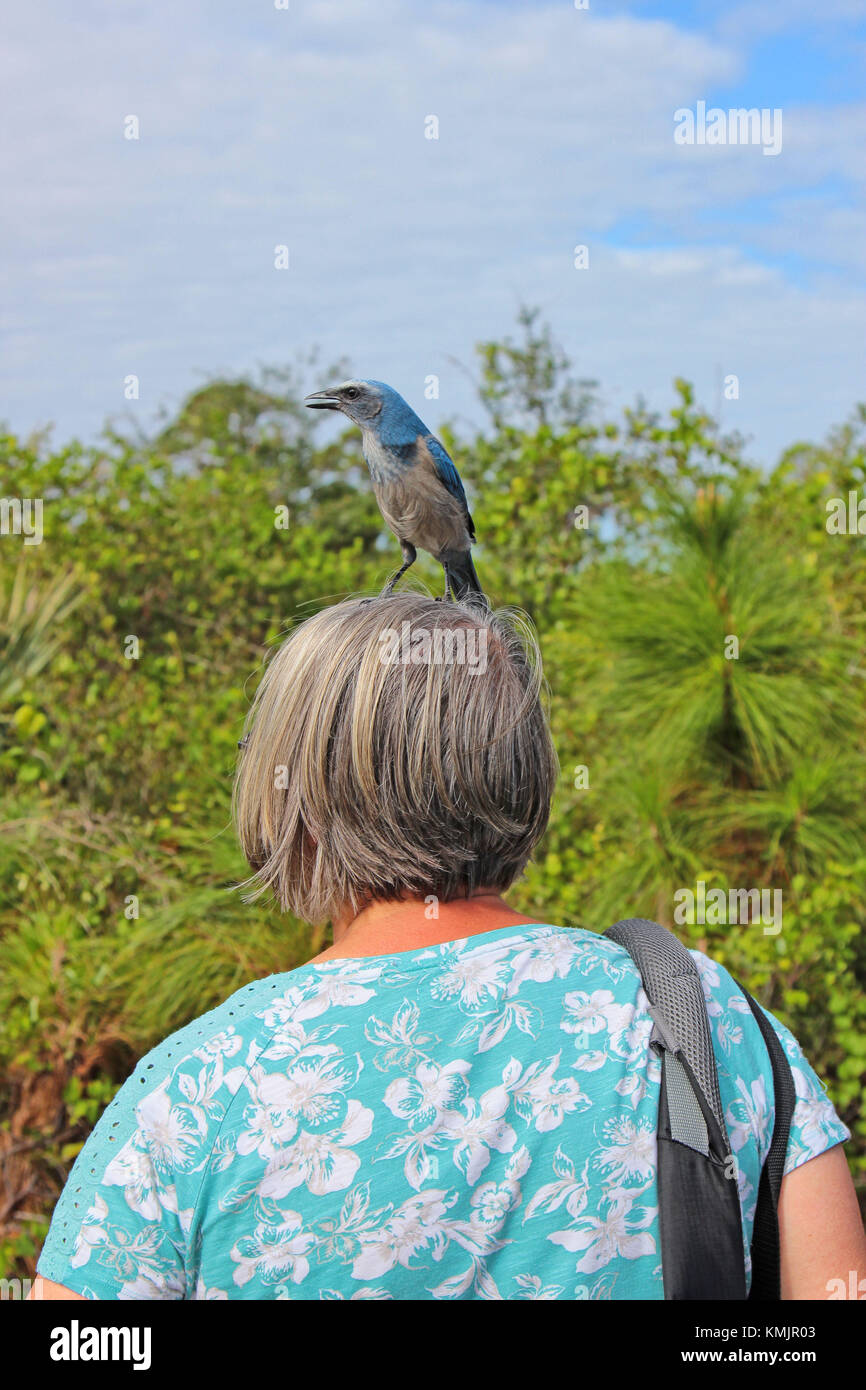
(373, 406)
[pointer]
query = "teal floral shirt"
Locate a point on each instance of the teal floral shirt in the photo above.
(472, 1120)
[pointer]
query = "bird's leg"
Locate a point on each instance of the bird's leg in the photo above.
(443, 598)
(410, 554)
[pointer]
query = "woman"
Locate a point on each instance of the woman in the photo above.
(453, 1100)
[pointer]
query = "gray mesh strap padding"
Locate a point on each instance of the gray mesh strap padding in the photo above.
(672, 983)
(685, 1116)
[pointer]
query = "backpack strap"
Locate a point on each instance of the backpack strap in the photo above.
(700, 1221)
(766, 1276)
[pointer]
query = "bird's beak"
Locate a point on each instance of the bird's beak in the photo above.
(322, 400)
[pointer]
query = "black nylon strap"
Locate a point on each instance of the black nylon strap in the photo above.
(700, 1223)
(766, 1271)
(689, 1185)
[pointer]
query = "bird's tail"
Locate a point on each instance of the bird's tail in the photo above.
(461, 576)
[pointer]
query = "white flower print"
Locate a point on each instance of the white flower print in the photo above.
(423, 1098)
(600, 1288)
(154, 1287)
(283, 1008)
(604, 1237)
(532, 1287)
(169, 1131)
(166, 1142)
(334, 991)
(588, 1014)
(749, 1116)
(267, 1130)
(404, 1045)
(473, 978)
(628, 1156)
(313, 1088)
(324, 1160)
(309, 1094)
(539, 1097)
(616, 963)
(416, 1225)
(630, 1031)
(492, 1201)
(290, 1041)
(412, 1126)
(566, 1189)
(225, 1044)
(710, 981)
(93, 1232)
(419, 1147)
(129, 1255)
(543, 960)
(274, 1252)
(729, 1033)
(492, 1025)
(366, 1292)
(814, 1115)
(480, 1128)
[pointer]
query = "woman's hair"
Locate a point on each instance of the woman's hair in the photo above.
(395, 747)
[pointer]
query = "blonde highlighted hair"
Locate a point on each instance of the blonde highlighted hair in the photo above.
(384, 758)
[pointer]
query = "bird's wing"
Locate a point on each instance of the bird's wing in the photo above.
(447, 474)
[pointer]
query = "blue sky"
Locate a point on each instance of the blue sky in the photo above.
(305, 127)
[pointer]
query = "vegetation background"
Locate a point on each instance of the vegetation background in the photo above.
(116, 772)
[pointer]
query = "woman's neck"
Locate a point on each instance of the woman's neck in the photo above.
(383, 928)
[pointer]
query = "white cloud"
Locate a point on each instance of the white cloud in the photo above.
(307, 127)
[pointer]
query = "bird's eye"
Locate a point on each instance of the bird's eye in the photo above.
(352, 392)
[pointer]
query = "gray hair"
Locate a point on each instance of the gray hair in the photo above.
(380, 761)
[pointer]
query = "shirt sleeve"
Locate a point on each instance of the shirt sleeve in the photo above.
(122, 1226)
(746, 1074)
(815, 1125)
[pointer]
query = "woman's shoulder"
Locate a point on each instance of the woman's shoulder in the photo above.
(241, 1025)
(746, 1076)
